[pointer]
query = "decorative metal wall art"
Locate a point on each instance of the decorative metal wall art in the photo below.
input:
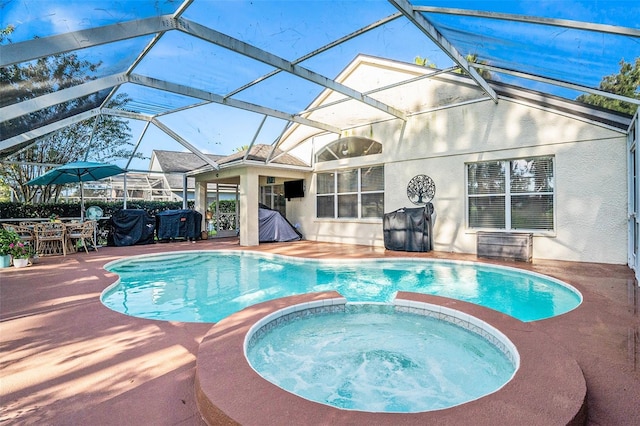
(421, 190)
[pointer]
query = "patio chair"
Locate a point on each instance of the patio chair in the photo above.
(25, 233)
(50, 238)
(28, 223)
(84, 232)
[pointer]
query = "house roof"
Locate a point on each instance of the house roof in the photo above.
(173, 163)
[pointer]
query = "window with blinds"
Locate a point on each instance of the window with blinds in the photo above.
(511, 195)
(351, 193)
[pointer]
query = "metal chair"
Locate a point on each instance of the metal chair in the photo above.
(84, 232)
(50, 238)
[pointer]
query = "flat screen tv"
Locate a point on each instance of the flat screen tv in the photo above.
(294, 189)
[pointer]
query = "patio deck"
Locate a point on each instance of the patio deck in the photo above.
(65, 359)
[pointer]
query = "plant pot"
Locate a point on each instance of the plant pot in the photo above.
(5, 261)
(20, 263)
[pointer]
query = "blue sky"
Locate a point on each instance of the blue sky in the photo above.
(291, 29)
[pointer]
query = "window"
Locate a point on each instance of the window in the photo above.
(272, 196)
(351, 193)
(511, 195)
(349, 147)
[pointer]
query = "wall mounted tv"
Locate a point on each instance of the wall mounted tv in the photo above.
(294, 189)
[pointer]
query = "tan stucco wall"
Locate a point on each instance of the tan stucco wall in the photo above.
(450, 122)
(590, 164)
(249, 178)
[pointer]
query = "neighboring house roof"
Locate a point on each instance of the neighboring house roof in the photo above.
(173, 162)
(181, 162)
(261, 153)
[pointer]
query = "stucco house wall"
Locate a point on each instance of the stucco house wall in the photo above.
(590, 172)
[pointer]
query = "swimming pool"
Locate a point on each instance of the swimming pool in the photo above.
(207, 286)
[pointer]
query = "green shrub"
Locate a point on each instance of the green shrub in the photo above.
(12, 210)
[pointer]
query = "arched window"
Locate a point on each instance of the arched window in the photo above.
(352, 146)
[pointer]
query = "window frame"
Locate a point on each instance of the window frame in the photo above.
(335, 194)
(348, 147)
(509, 196)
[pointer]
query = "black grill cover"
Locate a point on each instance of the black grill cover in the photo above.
(171, 224)
(409, 229)
(131, 226)
(273, 227)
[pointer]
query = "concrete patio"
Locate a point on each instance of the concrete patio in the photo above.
(67, 360)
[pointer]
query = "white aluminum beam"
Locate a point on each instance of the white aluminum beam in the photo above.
(183, 108)
(183, 7)
(324, 48)
(255, 137)
(135, 148)
(38, 48)
(50, 99)
(564, 23)
(184, 143)
(560, 83)
(430, 31)
(276, 143)
(212, 97)
(41, 131)
(383, 88)
(126, 114)
(238, 46)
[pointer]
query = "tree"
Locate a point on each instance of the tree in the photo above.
(471, 58)
(5, 192)
(625, 83)
(20, 82)
(424, 62)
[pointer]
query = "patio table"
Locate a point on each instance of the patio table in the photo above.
(51, 238)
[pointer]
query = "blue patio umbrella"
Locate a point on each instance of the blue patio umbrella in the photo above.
(77, 171)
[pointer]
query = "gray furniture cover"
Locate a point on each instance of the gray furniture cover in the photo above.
(409, 229)
(273, 227)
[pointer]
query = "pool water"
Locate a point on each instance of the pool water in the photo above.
(207, 286)
(371, 358)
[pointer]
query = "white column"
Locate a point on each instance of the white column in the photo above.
(200, 202)
(249, 187)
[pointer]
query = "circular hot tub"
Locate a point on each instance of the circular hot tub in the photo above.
(547, 388)
(400, 358)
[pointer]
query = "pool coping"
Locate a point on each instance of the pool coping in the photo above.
(548, 388)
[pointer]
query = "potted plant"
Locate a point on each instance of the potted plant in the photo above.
(20, 253)
(7, 239)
